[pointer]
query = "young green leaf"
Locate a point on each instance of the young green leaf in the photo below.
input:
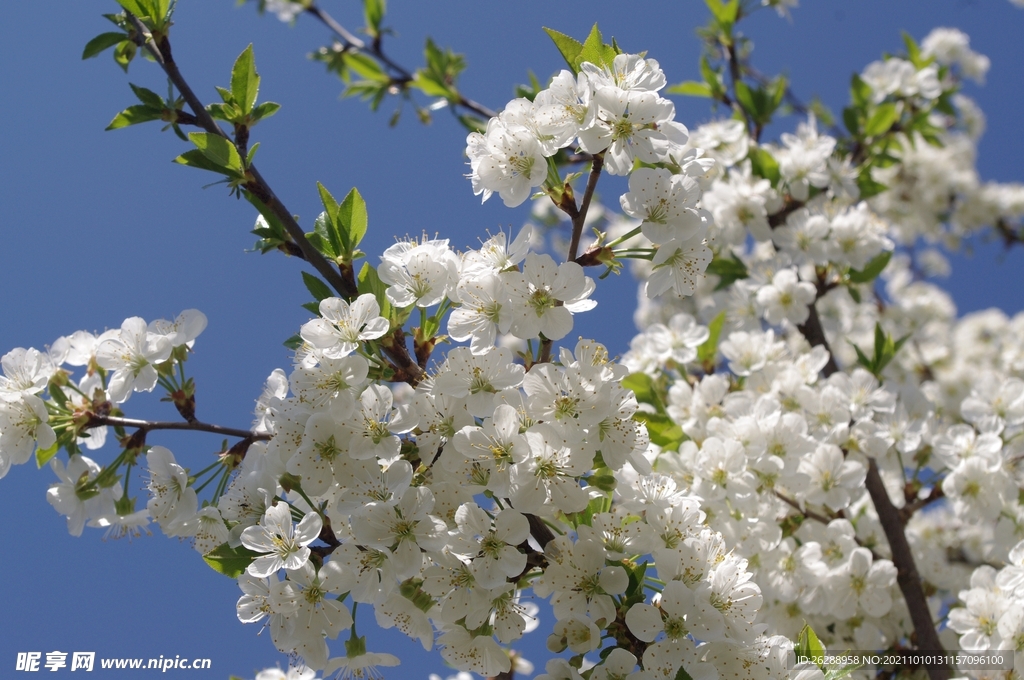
(217, 150)
(369, 282)
(690, 88)
(124, 53)
(353, 219)
(373, 12)
(728, 270)
(100, 43)
(231, 562)
(881, 120)
(568, 47)
(707, 352)
(245, 82)
(642, 385)
(595, 51)
(317, 288)
(872, 269)
(134, 115)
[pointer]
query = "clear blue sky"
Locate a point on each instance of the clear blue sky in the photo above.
(99, 226)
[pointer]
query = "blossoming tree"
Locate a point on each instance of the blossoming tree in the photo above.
(803, 449)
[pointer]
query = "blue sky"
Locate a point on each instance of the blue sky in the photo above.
(99, 226)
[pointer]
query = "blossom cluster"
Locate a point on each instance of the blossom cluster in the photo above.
(697, 502)
(616, 113)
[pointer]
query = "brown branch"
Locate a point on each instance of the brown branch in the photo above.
(96, 420)
(256, 185)
(815, 334)
(908, 510)
(907, 575)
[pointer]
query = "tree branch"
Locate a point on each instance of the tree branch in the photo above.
(96, 420)
(257, 185)
(815, 334)
(402, 76)
(580, 218)
(907, 575)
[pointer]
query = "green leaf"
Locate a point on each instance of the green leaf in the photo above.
(136, 7)
(867, 185)
(872, 269)
(218, 150)
(708, 350)
(568, 47)
(809, 646)
(369, 282)
(101, 43)
(851, 118)
(745, 96)
(763, 164)
(232, 562)
(373, 12)
(317, 288)
(690, 88)
(319, 242)
(913, 51)
(147, 97)
(197, 159)
(353, 219)
(711, 77)
(681, 674)
(881, 120)
(124, 53)
(595, 51)
(311, 307)
(663, 430)
(264, 110)
(245, 82)
(134, 115)
(366, 66)
(860, 92)
(43, 456)
(327, 224)
(728, 269)
(642, 385)
(294, 342)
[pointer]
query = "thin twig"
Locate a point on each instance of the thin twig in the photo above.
(581, 216)
(257, 185)
(197, 426)
(402, 75)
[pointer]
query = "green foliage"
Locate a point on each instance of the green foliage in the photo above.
(213, 153)
(245, 82)
(239, 102)
(593, 49)
(369, 282)
(440, 75)
(728, 269)
(881, 120)
(763, 164)
(340, 227)
(885, 350)
(316, 287)
(872, 269)
(707, 353)
(690, 88)
(724, 14)
(373, 13)
(232, 562)
(101, 43)
(760, 103)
